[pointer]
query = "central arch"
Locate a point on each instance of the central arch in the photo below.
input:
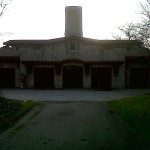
(44, 77)
(72, 77)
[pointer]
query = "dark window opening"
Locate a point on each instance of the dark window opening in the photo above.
(72, 46)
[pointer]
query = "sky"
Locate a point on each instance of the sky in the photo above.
(45, 19)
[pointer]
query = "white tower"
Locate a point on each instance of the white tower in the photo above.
(73, 21)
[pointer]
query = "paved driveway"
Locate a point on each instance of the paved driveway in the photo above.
(70, 95)
(70, 126)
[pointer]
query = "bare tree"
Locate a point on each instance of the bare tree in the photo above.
(138, 31)
(3, 5)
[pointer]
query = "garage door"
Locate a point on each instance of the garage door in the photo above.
(73, 77)
(101, 78)
(44, 77)
(139, 77)
(7, 77)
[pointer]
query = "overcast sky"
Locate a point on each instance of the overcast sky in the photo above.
(45, 19)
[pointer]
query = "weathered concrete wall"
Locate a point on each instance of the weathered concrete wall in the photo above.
(17, 77)
(58, 83)
(118, 81)
(45, 53)
(136, 51)
(87, 81)
(84, 52)
(8, 51)
(97, 53)
(23, 75)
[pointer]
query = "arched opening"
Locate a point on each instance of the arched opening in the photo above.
(7, 77)
(139, 77)
(72, 77)
(44, 77)
(101, 78)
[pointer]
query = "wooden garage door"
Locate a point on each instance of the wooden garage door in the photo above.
(139, 77)
(73, 77)
(44, 77)
(101, 78)
(7, 77)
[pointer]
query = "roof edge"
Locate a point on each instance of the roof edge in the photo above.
(90, 40)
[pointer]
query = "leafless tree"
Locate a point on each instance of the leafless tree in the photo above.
(138, 31)
(3, 5)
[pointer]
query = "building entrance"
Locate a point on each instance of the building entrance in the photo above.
(139, 77)
(101, 78)
(44, 77)
(7, 77)
(73, 77)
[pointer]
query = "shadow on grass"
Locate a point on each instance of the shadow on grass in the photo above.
(12, 110)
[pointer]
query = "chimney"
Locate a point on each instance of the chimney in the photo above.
(73, 21)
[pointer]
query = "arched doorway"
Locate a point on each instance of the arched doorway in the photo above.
(44, 77)
(72, 77)
(7, 77)
(139, 77)
(101, 78)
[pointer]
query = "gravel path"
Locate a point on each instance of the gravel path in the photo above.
(70, 95)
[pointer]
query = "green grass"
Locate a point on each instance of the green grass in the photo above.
(135, 111)
(12, 110)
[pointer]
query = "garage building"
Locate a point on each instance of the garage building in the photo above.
(74, 61)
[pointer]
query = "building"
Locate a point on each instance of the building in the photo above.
(74, 61)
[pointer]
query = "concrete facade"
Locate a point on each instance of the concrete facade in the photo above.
(92, 63)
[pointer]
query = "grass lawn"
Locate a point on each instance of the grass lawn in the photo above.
(12, 110)
(135, 111)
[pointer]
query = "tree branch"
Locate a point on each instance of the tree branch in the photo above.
(139, 31)
(3, 5)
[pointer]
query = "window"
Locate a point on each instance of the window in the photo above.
(72, 46)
